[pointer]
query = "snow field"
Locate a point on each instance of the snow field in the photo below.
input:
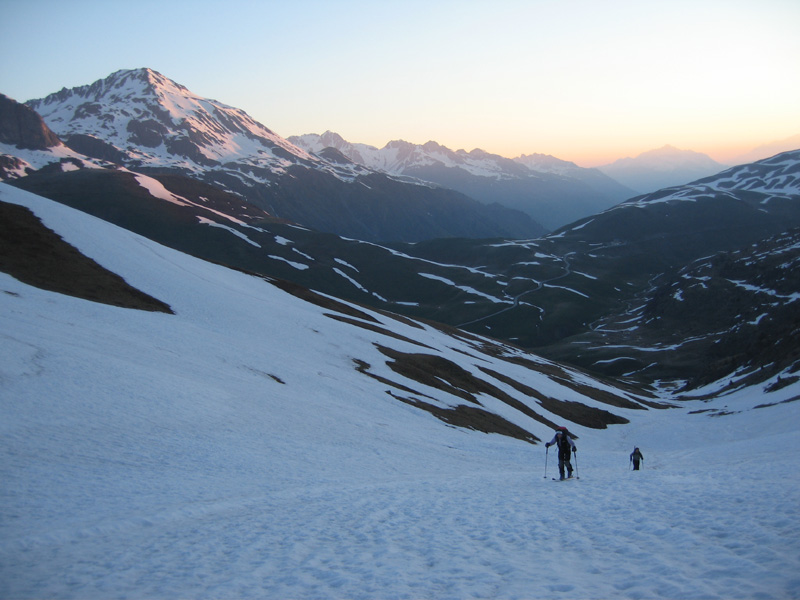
(232, 450)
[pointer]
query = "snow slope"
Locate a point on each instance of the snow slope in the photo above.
(774, 179)
(231, 450)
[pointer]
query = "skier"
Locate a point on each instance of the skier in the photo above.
(636, 456)
(565, 445)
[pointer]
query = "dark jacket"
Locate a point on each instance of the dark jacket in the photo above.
(565, 444)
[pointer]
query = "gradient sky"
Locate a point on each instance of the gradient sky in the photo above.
(584, 80)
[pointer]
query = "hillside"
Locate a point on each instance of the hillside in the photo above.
(534, 293)
(560, 294)
(733, 312)
(250, 443)
(557, 292)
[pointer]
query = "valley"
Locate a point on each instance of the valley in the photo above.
(236, 365)
(224, 186)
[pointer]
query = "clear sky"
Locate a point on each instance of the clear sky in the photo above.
(584, 80)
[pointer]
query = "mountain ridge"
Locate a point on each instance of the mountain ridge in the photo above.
(149, 123)
(538, 294)
(552, 191)
(534, 292)
(151, 111)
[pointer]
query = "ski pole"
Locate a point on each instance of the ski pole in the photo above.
(546, 452)
(575, 456)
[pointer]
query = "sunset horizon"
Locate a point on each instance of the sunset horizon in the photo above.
(580, 81)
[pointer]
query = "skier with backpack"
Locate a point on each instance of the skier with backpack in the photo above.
(636, 457)
(565, 446)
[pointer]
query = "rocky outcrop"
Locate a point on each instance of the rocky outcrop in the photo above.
(23, 127)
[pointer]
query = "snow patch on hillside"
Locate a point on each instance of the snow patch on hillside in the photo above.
(232, 449)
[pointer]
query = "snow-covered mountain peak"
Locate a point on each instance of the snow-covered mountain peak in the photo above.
(331, 139)
(435, 148)
(398, 144)
(135, 86)
(399, 157)
(546, 163)
(476, 153)
(144, 82)
(121, 83)
(661, 168)
(167, 124)
(668, 158)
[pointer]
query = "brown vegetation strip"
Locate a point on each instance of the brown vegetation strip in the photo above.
(439, 373)
(561, 376)
(461, 416)
(400, 318)
(36, 255)
(302, 292)
(576, 412)
(470, 417)
(376, 329)
(442, 374)
(363, 366)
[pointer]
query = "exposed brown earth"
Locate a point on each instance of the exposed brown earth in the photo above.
(34, 254)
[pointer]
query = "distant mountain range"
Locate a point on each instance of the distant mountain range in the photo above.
(141, 120)
(552, 191)
(662, 168)
(688, 283)
(769, 149)
(145, 121)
